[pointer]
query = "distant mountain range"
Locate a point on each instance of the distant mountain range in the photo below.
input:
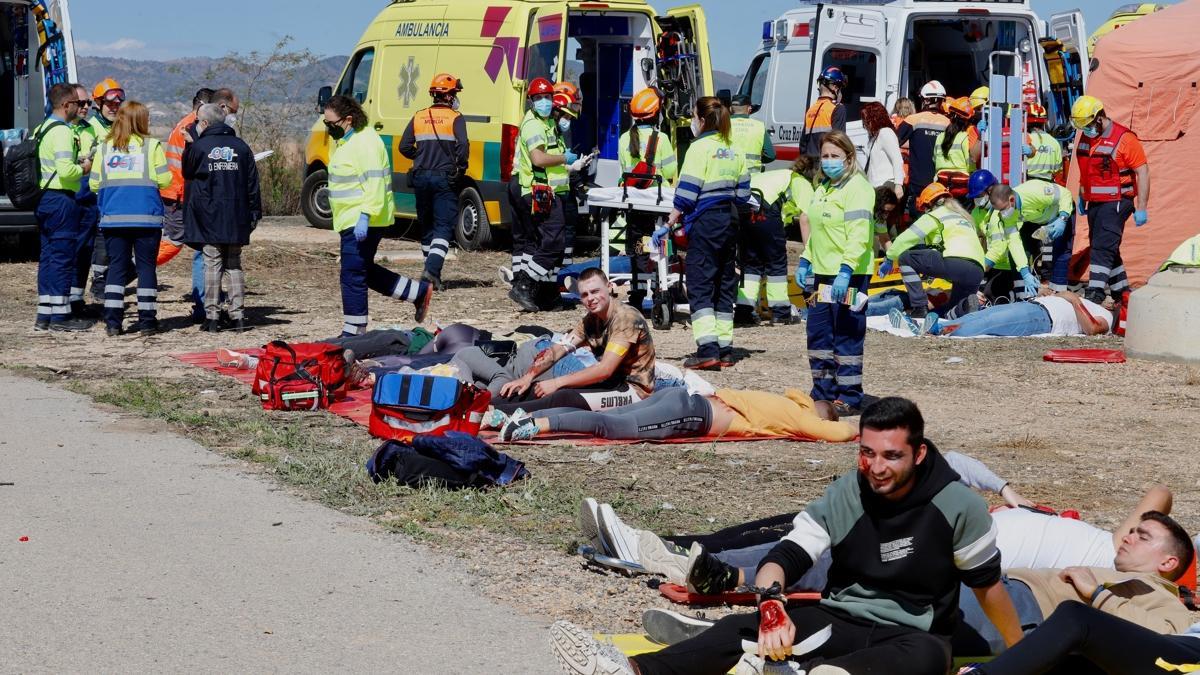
(167, 86)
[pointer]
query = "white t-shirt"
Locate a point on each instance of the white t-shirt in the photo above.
(1037, 540)
(884, 161)
(1064, 321)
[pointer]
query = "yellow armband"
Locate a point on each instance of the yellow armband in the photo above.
(619, 350)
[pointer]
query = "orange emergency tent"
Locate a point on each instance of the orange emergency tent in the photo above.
(1148, 79)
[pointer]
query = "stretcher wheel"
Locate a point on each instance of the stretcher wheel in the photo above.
(660, 314)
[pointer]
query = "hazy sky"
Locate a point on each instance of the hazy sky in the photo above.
(164, 29)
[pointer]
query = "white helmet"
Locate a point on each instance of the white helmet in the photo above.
(933, 89)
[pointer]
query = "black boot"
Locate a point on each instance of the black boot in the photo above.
(522, 292)
(547, 296)
(744, 316)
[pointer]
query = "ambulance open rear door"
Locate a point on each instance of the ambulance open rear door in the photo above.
(684, 63)
(546, 43)
(1065, 51)
(854, 40)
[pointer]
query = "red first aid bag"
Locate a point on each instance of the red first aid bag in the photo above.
(302, 376)
(406, 404)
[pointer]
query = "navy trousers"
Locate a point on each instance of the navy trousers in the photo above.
(89, 219)
(1060, 256)
(712, 279)
(835, 346)
(1106, 223)
(58, 219)
(763, 258)
(139, 245)
(360, 272)
(437, 205)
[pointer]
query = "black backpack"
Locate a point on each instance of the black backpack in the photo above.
(23, 171)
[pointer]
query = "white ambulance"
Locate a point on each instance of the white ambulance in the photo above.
(889, 48)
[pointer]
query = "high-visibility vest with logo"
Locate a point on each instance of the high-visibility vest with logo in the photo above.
(537, 132)
(959, 235)
(360, 181)
(666, 163)
(1047, 160)
(713, 175)
(127, 183)
(1101, 178)
(839, 216)
(748, 136)
(773, 185)
(959, 157)
(1040, 202)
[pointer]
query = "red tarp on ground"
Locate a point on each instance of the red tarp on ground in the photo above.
(1148, 79)
(357, 408)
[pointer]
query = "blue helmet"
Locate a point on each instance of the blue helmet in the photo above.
(833, 75)
(980, 182)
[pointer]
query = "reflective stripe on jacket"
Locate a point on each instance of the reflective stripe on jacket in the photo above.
(360, 181)
(713, 175)
(127, 183)
(1101, 179)
(840, 221)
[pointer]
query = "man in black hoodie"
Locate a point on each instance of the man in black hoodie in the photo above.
(221, 206)
(903, 534)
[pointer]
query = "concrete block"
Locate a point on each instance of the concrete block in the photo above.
(1164, 318)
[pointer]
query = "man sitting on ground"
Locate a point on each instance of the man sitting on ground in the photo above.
(903, 533)
(617, 335)
(676, 413)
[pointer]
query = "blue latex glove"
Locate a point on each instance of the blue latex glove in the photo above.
(803, 273)
(1032, 285)
(571, 157)
(658, 236)
(841, 284)
(361, 227)
(988, 265)
(1027, 150)
(1056, 228)
(885, 267)
(982, 126)
(1081, 208)
(1140, 218)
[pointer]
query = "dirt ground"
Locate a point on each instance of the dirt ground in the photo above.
(1089, 437)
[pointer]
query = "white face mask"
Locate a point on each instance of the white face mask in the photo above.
(1007, 213)
(454, 105)
(231, 119)
(696, 129)
(983, 202)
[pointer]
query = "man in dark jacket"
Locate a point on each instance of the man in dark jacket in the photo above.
(221, 208)
(903, 534)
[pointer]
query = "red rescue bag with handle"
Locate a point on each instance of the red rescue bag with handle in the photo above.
(302, 376)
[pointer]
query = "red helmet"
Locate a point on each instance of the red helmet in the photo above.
(564, 103)
(539, 87)
(1035, 114)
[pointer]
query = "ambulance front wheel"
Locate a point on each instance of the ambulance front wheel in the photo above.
(472, 230)
(314, 200)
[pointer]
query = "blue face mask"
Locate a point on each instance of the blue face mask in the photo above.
(543, 107)
(564, 125)
(1091, 131)
(833, 168)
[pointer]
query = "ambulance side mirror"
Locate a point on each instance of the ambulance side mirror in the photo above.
(323, 95)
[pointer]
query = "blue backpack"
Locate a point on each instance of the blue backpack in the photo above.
(453, 461)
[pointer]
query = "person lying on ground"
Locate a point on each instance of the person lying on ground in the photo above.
(620, 340)
(1063, 313)
(677, 413)
(1079, 639)
(1139, 587)
(907, 535)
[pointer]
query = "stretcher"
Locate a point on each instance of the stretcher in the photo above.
(639, 205)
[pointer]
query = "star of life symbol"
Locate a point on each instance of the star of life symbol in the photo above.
(409, 74)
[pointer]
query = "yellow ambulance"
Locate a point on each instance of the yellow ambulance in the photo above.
(610, 49)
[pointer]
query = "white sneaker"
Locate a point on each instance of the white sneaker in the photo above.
(621, 538)
(589, 524)
(753, 665)
(495, 418)
(581, 654)
(661, 557)
(506, 276)
(668, 627)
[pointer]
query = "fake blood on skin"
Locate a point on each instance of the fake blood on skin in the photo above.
(773, 616)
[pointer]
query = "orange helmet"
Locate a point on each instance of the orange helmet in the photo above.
(540, 86)
(569, 89)
(108, 85)
(931, 194)
(564, 103)
(445, 83)
(1035, 114)
(959, 107)
(645, 104)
